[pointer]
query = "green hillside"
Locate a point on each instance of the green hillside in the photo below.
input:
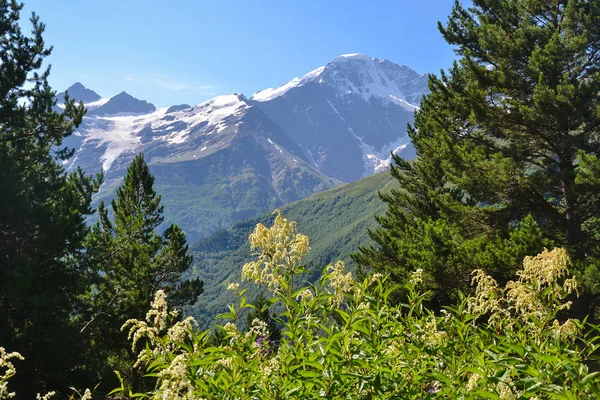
(336, 221)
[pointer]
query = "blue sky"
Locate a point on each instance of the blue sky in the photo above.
(186, 51)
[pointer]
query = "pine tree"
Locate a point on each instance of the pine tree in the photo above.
(507, 146)
(132, 261)
(42, 217)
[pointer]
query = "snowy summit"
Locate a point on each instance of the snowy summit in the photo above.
(362, 75)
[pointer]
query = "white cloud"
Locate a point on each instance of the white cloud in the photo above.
(132, 78)
(169, 84)
(177, 86)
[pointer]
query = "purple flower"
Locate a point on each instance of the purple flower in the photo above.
(265, 345)
(434, 387)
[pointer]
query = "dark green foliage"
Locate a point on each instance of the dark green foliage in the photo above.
(335, 220)
(42, 213)
(261, 312)
(507, 144)
(131, 261)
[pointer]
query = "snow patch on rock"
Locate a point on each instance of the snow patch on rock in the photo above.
(377, 161)
(89, 106)
(95, 104)
(277, 147)
(213, 112)
(119, 134)
(271, 93)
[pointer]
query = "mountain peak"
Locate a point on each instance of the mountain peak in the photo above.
(358, 74)
(78, 92)
(353, 56)
(77, 86)
(123, 95)
(124, 103)
(271, 93)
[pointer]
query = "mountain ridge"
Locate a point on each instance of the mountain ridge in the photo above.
(377, 69)
(241, 156)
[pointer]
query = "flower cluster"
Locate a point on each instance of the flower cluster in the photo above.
(47, 396)
(537, 295)
(416, 277)
(282, 249)
(9, 371)
(165, 338)
(339, 281)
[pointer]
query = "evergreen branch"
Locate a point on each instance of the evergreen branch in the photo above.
(101, 312)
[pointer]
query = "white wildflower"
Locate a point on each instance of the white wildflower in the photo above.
(269, 367)
(225, 363)
(87, 395)
(234, 286)
(282, 249)
(159, 313)
(340, 282)
(504, 391)
(259, 328)
(305, 295)
(416, 277)
(472, 382)
(46, 396)
(9, 370)
(182, 330)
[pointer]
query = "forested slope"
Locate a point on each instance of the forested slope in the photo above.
(336, 221)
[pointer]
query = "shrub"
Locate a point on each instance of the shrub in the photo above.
(343, 339)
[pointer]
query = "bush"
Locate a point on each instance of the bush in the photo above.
(343, 339)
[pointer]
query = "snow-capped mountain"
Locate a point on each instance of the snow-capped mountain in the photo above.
(232, 157)
(350, 114)
(219, 162)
